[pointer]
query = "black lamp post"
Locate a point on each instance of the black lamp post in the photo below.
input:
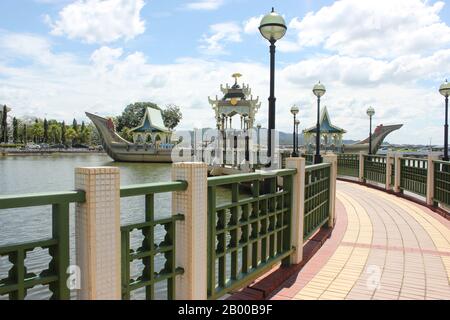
(273, 28)
(319, 91)
(297, 122)
(258, 126)
(445, 91)
(370, 113)
(294, 111)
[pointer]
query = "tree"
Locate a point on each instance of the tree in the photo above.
(37, 131)
(24, 134)
(75, 125)
(45, 131)
(172, 116)
(132, 115)
(71, 135)
(15, 130)
(85, 135)
(55, 132)
(126, 134)
(63, 132)
(4, 125)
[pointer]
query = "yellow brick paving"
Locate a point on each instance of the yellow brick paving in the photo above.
(345, 268)
(337, 277)
(438, 232)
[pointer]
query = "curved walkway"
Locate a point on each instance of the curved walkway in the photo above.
(383, 247)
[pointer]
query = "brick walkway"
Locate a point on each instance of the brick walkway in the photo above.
(383, 247)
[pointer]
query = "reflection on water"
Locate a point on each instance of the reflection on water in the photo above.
(29, 174)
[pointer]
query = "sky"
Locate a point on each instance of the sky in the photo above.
(60, 58)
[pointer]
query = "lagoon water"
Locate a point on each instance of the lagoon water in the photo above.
(29, 174)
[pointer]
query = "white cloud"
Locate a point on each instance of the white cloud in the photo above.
(63, 86)
(382, 28)
(99, 21)
(219, 35)
(251, 25)
(205, 5)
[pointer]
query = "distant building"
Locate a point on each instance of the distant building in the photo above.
(330, 135)
(152, 129)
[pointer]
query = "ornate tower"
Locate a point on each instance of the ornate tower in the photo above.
(237, 100)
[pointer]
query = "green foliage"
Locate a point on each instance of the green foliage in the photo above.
(45, 130)
(126, 134)
(4, 125)
(37, 132)
(63, 133)
(132, 115)
(55, 133)
(15, 130)
(172, 116)
(71, 135)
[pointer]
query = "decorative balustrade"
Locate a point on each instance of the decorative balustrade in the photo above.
(427, 178)
(413, 175)
(239, 227)
(442, 182)
(207, 247)
(19, 280)
(149, 249)
(375, 168)
(317, 196)
(348, 164)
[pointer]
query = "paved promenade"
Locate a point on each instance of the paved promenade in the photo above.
(383, 247)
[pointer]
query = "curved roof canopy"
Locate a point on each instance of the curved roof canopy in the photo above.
(325, 124)
(152, 122)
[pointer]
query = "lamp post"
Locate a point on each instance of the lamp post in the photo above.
(258, 126)
(370, 112)
(319, 91)
(297, 122)
(444, 89)
(273, 28)
(294, 111)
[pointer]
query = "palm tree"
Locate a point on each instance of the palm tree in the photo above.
(55, 132)
(71, 135)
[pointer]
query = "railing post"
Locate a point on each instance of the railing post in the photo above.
(191, 238)
(389, 162)
(430, 179)
(332, 158)
(298, 207)
(361, 166)
(398, 165)
(97, 233)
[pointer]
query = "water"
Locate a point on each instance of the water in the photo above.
(29, 174)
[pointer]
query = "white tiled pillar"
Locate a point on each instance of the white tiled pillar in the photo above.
(332, 158)
(389, 162)
(430, 179)
(361, 166)
(298, 207)
(398, 165)
(97, 233)
(191, 238)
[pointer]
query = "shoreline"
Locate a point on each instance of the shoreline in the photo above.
(6, 153)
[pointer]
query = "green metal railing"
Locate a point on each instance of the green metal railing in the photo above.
(442, 182)
(309, 158)
(348, 165)
(19, 280)
(413, 175)
(250, 232)
(148, 250)
(375, 168)
(317, 197)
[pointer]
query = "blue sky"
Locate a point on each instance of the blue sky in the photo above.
(59, 58)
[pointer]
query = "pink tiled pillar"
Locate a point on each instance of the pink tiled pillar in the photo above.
(332, 158)
(191, 234)
(361, 166)
(97, 233)
(398, 168)
(298, 207)
(389, 161)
